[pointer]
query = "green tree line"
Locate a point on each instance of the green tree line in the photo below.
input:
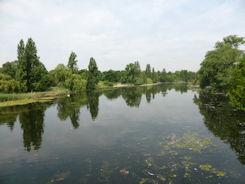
(28, 74)
(223, 70)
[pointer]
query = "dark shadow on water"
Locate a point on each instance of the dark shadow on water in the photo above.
(223, 121)
(126, 150)
(31, 118)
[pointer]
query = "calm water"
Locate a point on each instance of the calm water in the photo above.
(160, 134)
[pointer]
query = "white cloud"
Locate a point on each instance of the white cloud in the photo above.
(171, 34)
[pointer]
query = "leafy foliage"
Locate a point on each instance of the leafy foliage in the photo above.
(72, 63)
(237, 89)
(8, 84)
(32, 75)
(30, 70)
(75, 83)
(10, 68)
(132, 72)
(148, 71)
(111, 76)
(217, 67)
(92, 75)
(60, 74)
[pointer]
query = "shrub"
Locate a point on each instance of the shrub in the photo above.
(108, 83)
(149, 81)
(8, 85)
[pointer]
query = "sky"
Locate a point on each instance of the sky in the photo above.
(170, 34)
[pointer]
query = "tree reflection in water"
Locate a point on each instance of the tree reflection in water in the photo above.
(70, 108)
(93, 104)
(32, 124)
(31, 116)
(223, 121)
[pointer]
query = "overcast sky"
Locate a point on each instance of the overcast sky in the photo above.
(170, 34)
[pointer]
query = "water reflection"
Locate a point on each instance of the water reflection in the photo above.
(132, 96)
(9, 115)
(70, 108)
(223, 121)
(32, 124)
(161, 142)
(31, 118)
(93, 104)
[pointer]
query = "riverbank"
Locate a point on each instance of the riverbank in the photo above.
(119, 85)
(55, 92)
(33, 97)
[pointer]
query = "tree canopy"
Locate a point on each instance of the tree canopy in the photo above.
(217, 67)
(92, 74)
(31, 71)
(72, 63)
(237, 89)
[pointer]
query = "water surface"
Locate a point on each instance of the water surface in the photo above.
(155, 134)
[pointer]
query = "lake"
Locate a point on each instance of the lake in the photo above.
(154, 134)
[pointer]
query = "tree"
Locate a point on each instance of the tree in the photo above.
(154, 76)
(8, 84)
(148, 71)
(10, 68)
(217, 67)
(163, 76)
(75, 83)
(72, 63)
(237, 89)
(30, 69)
(184, 75)
(60, 74)
(111, 76)
(21, 74)
(132, 72)
(92, 75)
(21, 51)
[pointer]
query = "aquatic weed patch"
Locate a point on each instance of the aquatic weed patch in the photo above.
(191, 141)
(177, 160)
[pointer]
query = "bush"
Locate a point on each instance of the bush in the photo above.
(8, 85)
(76, 83)
(237, 88)
(108, 83)
(149, 81)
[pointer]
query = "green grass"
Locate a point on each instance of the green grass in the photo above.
(11, 96)
(103, 85)
(22, 102)
(26, 98)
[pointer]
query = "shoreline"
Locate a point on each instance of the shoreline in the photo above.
(56, 92)
(32, 97)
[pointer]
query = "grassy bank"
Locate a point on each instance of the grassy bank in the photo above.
(26, 98)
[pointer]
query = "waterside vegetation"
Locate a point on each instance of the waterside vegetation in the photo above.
(222, 71)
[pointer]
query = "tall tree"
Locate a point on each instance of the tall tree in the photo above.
(72, 63)
(20, 74)
(30, 70)
(164, 76)
(92, 74)
(154, 76)
(237, 88)
(132, 72)
(217, 67)
(21, 51)
(148, 71)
